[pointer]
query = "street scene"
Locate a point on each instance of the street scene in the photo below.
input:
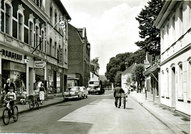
(97, 114)
(95, 67)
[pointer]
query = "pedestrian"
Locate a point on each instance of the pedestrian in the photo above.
(9, 85)
(11, 96)
(41, 93)
(118, 91)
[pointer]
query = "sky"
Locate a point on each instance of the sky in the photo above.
(111, 26)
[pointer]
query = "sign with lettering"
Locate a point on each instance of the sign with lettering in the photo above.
(39, 64)
(12, 55)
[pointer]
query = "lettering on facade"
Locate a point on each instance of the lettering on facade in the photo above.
(12, 55)
(39, 64)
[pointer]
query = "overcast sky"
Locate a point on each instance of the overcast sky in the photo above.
(111, 25)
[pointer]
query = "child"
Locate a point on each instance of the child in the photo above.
(11, 96)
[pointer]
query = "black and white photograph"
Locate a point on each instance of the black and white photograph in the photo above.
(95, 66)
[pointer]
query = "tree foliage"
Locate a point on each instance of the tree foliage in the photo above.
(149, 34)
(138, 74)
(120, 62)
(94, 67)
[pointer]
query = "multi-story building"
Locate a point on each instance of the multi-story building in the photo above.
(175, 72)
(33, 43)
(78, 55)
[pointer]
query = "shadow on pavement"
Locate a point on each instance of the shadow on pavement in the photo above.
(71, 128)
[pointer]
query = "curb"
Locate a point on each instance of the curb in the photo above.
(173, 128)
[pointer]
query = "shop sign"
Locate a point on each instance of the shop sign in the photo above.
(12, 55)
(39, 64)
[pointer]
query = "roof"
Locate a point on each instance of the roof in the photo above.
(62, 8)
(166, 10)
(129, 69)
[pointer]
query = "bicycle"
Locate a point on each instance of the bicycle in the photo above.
(8, 113)
(33, 102)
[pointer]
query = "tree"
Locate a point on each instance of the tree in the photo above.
(138, 75)
(94, 67)
(149, 34)
(121, 61)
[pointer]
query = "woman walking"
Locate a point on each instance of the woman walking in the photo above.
(41, 93)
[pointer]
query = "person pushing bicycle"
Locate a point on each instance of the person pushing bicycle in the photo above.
(10, 97)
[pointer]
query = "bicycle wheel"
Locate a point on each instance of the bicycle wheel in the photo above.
(37, 104)
(6, 116)
(31, 104)
(15, 115)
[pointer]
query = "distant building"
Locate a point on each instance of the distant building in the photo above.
(175, 72)
(78, 55)
(126, 77)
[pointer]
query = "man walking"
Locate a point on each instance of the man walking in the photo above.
(118, 94)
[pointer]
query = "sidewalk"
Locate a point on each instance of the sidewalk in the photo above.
(176, 122)
(53, 99)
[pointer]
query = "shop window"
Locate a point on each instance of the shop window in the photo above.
(8, 19)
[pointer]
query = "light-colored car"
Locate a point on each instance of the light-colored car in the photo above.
(84, 92)
(73, 92)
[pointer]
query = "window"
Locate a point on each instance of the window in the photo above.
(55, 21)
(8, 19)
(167, 76)
(181, 21)
(180, 81)
(50, 14)
(42, 40)
(55, 48)
(2, 22)
(189, 80)
(36, 36)
(30, 33)
(50, 47)
(20, 27)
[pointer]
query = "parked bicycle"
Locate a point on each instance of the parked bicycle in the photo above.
(33, 101)
(9, 113)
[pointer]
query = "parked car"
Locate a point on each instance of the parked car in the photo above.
(73, 92)
(84, 92)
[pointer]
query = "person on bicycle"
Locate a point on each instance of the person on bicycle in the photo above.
(11, 97)
(118, 91)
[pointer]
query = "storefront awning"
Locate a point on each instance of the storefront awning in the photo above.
(152, 69)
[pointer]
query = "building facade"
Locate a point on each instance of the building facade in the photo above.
(151, 73)
(33, 44)
(78, 55)
(175, 72)
(126, 78)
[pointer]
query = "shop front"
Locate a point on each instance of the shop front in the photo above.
(54, 80)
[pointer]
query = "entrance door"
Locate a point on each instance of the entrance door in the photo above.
(173, 88)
